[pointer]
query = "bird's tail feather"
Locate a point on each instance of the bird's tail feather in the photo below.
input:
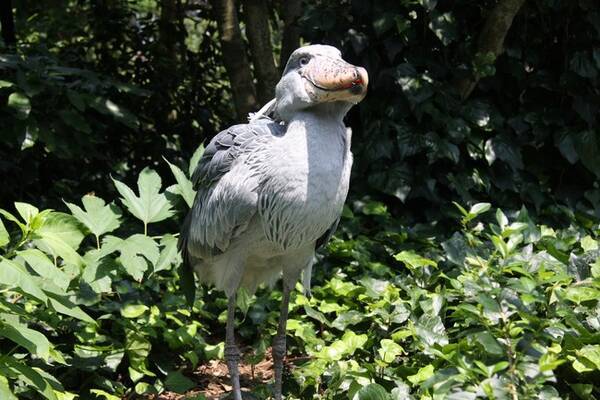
(186, 272)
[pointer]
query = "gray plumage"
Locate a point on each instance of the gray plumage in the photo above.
(271, 191)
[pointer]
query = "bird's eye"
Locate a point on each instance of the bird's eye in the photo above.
(303, 61)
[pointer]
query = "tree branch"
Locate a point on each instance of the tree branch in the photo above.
(234, 57)
(291, 10)
(259, 36)
(491, 39)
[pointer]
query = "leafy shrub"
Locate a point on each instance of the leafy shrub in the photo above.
(73, 319)
(502, 307)
(528, 133)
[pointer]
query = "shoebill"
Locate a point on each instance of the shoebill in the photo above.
(270, 192)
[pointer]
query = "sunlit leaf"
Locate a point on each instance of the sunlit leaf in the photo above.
(20, 104)
(15, 276)
(151, 205)
(98, 217)
(373, 391)
(184, 186)
(35, 342)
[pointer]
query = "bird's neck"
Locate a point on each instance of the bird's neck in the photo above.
(325, 120)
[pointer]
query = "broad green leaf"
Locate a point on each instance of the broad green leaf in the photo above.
(150, 206)
(430, 329)
(342, 288)
(45, 268)
(444, 27)
(65, 395)
(373, 391)
(491, 308)
(383, 23)
(35, 342)
(5, 84)
(33, 378)
(14, 219)
(63, 305)
(413, 260)
(489, 343)
(60, 236)
(422, 375)
(588, 243)
(132, 249)
(195, 159)
(591, 354)
(316, 314)
(133, 310)
(346, 346)
(480, 208)
(243, 300)
(456, 249)
(20, 104)
(26, 211)
(99, 272)
(583, 390)
(104, 394)
(64, 227)
(5, 392)
(98, 217)
(184, 186)
(504, 148)
(347, 318)
(389, 350)
(168, 254)
(579, 294)
(501, 219)
(4, 236)
(375, 288)
(595, 268)
(587, 144)
(178, 383)
(15, 276)
(118, 112)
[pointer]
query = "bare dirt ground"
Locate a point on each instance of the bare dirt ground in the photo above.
(213, 380)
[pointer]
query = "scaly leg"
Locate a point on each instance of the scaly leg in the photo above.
(279, 349)
(232, 353)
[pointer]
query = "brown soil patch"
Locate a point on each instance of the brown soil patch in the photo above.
(212, 379)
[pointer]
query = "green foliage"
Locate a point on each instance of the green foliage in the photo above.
(501, 306)
(494, 311)
(93, 90)
(59, 298)
(496, 295)
(528, 133)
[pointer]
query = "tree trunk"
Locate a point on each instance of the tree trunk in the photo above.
(291, 10)
(256, 15)
(167, 27)
(491, 39)
(234, 57)
(8, 23)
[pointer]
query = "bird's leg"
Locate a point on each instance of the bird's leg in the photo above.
(232, 353)
(279, 349)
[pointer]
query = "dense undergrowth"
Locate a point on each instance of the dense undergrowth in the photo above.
(476, 303)
(504, 307)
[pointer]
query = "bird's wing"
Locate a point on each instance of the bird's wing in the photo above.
(227, 181)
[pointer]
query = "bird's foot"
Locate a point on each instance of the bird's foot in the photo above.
(232, 357)
(278, 351)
